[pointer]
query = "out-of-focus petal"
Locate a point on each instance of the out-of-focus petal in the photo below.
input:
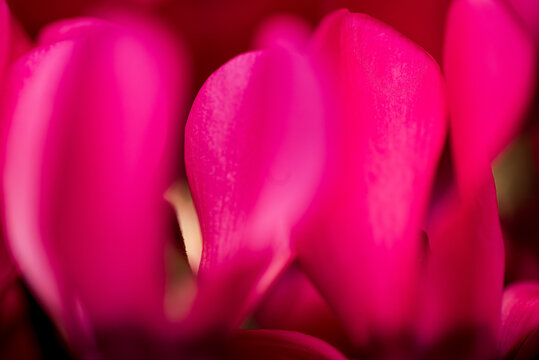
(92, 141)
(464, 272)
(489, 62)
(389, 131)
(528, 11)
(254, 155)
(234, 20)
(280, 345)
(293, 303)
(520, 321)
(420, 20)
(13, 40)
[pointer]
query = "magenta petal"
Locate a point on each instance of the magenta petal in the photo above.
(293, 303)
(389, 133)
(13, 41)
(490, 69)
(254, 153)
(465, 269)
(280, 345)
(520, 321)
(528, 11)
(93, 129)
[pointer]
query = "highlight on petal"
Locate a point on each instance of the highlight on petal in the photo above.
(280, 345)
(489, 62)
(93, 131)
(464, 272)
(520, 321)
(389, 131)
(254, 154)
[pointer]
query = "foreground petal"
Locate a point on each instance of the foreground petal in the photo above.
(464, 273)
(280, 345)
(293, 303)
(389, 131)
(489, 62)
(254, 152)
(520, 321)
(93, 127)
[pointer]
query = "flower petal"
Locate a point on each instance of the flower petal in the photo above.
(465, 269)
(520, 321)
(390, 130)
(528, 10)
(280, 345)
(293, 303)
(420, 20)
(254, 154)
(93, 127)
(489, 63)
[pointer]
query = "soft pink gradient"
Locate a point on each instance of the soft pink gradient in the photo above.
(489, 62)
(254, 154)
(389, 130)
(518, 336)
(528, 11)
(94, 124)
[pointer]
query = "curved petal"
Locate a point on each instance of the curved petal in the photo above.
(420, 20)
(254, 154)
(280, 345)
(520, 321)
(489, 62)
(389, 132)
(293, 303)
(93, 127)
(464, 271)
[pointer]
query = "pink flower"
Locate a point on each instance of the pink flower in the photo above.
(93, 126)
(403, 277)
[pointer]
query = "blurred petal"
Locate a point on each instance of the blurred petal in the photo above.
(420, 20)
(528, 11)
(254, 154)
(389, 134)
(520, 321)
(293, 303)
(280, 345)
(13, 41)
(93, 132)
(465, 268)
(490, 69)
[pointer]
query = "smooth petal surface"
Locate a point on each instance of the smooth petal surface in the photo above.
(464, 272)
(489, 62)
(92, 138)
(254, 154)
(528, 11)
(280, 345)
(520, 321)
(389, 130)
